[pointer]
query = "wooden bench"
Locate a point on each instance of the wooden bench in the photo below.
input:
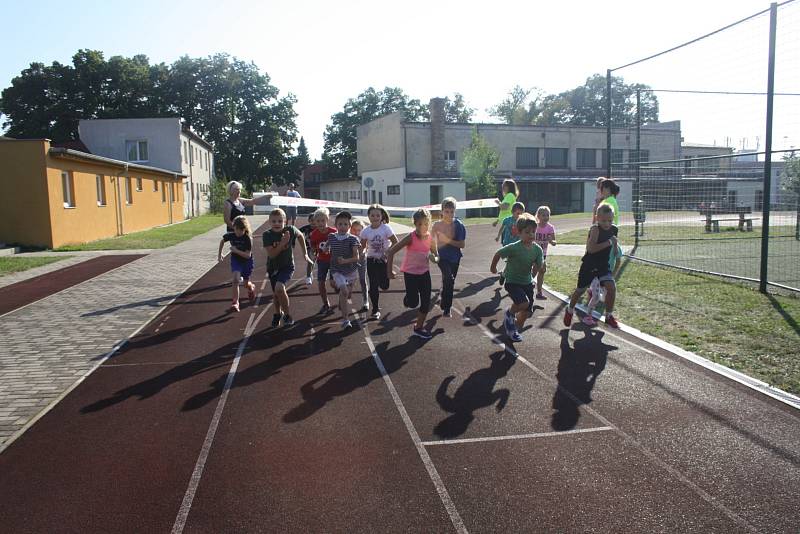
(742, 216)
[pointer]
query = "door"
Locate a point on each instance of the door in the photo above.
(436, 194)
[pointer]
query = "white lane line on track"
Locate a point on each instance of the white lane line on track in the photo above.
(518, 436)
(194, 481)
(455, 518)
(624, 435)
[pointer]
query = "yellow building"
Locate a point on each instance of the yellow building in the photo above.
(50, 196)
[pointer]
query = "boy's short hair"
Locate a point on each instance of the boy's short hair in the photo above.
(321, 211)
(605, 209)
(420, 214)
(357, 222)
(525, 220)
(278, 211)
(518, 206)
(449, 202)
(344, 215)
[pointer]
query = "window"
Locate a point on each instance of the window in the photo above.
(616, 157)
(644, 155)
(392, 189)
(185, 152)
(527, 158)
(555, 158)
(449, 160)
(173, 192)
(136, 150)
(338, 195)
(68, 189)
(155, 186)
(101, 190)
(128, 191)
(201, 159)
(436, 194)
(138, 184)
(163, 192)
(587, 158)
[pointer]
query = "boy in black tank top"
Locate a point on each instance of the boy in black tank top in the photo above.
(594, 264)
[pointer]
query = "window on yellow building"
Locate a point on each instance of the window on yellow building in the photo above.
(101, 189)
(68, 189)
(138, 184)
(128, 191)
(173, 191)
(155, 186)
(163, 192)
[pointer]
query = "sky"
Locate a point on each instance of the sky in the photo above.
(325, 52)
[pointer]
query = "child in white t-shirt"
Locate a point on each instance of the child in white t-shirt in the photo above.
(376, 239)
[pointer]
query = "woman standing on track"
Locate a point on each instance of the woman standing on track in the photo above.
(235, 204)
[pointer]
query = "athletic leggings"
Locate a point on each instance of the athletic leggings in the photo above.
(378, 279)
(449, 271)
(362, 279)
(418, 291)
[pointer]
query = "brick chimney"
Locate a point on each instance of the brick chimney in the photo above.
(437, 135)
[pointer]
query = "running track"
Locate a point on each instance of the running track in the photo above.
(211, 422)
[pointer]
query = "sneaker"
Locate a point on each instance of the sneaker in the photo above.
(346, 324)
(405, 302)
(611, 321)
(515, 336)
(422, 333)
(251, 292)
(241, 280)
(276, 320)
(540, 296)
(234, 307)
(589, 321)
(567, 317)
(287, 320)
(447, 313)
(364, 308)
(376, 315)
(309, 281)
(508, 321)
(326, 308)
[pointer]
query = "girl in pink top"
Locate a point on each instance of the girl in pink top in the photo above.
(545, 235)
(420, 247)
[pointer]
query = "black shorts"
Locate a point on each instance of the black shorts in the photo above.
(521, 293)
(418, 291)
(588, 273)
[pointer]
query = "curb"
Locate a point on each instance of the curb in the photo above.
(748, 381)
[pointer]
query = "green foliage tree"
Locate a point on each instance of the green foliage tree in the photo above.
(479, 162)
(226, 101)
(340, 135)
(457, 110)
(790, 176)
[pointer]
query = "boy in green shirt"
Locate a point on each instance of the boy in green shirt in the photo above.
(523, 258)
(279, 241)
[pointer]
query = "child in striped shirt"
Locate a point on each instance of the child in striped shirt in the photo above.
(344, 247)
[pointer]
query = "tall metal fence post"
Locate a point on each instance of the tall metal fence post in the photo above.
(773, 22)
(638, 208)
(608, 123)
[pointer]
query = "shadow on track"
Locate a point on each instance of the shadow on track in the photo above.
(476, 392)
(578, 370)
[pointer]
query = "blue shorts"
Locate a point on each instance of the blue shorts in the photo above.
(242, 266)
(521, 293)
(323, 268)
(282, 275)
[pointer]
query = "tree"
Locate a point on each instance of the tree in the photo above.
(301, 160)
(456, 110)
(339, 151)
(790, 176)
(479, 162)
(518, 107)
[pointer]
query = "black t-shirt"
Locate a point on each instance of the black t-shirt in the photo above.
(285, 258)
(243, 243)
(599, 259)
(235, 211)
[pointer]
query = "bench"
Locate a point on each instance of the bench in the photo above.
(742, 216)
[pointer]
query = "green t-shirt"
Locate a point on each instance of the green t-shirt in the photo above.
(285, 257)
(520, 260)
(612, 201)
(509, 199)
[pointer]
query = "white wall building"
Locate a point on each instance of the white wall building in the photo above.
(163, 143)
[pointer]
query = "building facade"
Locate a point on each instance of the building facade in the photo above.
(163, 143)
(414, 163)
(312, 178)
(50, 197)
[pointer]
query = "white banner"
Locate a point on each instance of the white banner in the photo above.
(312, 202)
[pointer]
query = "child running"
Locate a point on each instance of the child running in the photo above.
(507, 233)
(450, 234)
(419, 247)
(523, 258)
(241, 240)
(609, 191)
(596, 293)
(344, 247)
(377, 238)
(356, 227)
(545, 235)
(319, 244)
(279, 241)
(510, 192)
(306, 230)
(595, 263)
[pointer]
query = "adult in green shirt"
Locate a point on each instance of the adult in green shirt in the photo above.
(609, 191)
(523, 258)
(510, 195)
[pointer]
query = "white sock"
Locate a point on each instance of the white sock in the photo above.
(570, 310)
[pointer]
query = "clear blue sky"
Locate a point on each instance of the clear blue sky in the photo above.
(326, 52)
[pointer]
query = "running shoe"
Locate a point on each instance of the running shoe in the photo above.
(287, 320)
(502, 280)
(611, 321)
(422, 333)
(508, 321)
(540, 296)
(234, 307)
(276, 320)
(589, 321)
(376, 315)
(326, 308)
(346, 324)
(447, 313)
(515, 336)
(567, 317)
(364, 308)
(251, 291)
(309, 281)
